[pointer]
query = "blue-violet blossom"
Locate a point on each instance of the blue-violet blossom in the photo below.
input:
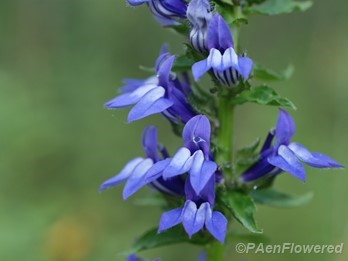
(163, 93)
(193, 158)
(199, 14)
(166, 12)
(226, 65)
(135, 170)
(197, 213)
(285, 155)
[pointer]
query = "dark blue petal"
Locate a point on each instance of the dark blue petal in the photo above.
(268, 141)
(136, 180)
(200, 68)
(131, 85)
(219, 35)
(125, 173)
(153, 102)
(130, 98)
(208, 192)
(150, 144)
(216, 223)
(170, 219)
(196, 133)
(156, 170)
(285, 128)
(192, 219)
(181, 108)
(316, 160)
(201, 171)
(180, 163)
(288, 162)
(245, 65)
(260, 169)
(164, 54)
(164, 71)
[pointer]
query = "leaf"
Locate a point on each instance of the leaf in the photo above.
(183, 63)
(183, 28)
(151, 239)
(242, 208)
(274, 198)
(247, 156)
(277, 7)
(248, 150)
(264, 95)
(265, 74)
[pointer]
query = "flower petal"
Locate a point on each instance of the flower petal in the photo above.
(201, 171)
(136, 180)
(170, 219)
(153, 102)
(245, 65)
(149, 141)
(180, 163)
(216, 223)
(125, 173)
(130, 98)
(200, 68)
(156, 170)
(196, 130)
(165, 70)
(288, 162)
(192, 219)
(219, 35)
(316, 160)
(285, 128)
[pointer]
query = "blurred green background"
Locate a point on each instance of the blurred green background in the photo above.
(60, 60)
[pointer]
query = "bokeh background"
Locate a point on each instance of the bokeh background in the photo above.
(60, 60)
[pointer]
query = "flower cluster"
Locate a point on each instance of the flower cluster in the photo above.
(195, 175)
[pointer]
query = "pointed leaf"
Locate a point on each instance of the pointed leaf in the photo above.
(277, 7)
(242, 207)
(263, 95)
(262, 73)
(274, 198)
(176, 235)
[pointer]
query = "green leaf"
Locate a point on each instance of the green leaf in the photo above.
(183, 28)
(182, 63)
(274, 198)
(242, 208)
(265, 74)
(247, 156)
(264, 95)
(151, 239)
(276, 7)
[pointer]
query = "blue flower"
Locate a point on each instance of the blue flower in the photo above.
(197, 213)
(226, 65)
(199, 14)
(166, 12)
(135, 170)
(163, 93)
(193, 158)
(285, 155)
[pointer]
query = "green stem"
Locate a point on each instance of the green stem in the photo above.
(215, 252)
(224, 135)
